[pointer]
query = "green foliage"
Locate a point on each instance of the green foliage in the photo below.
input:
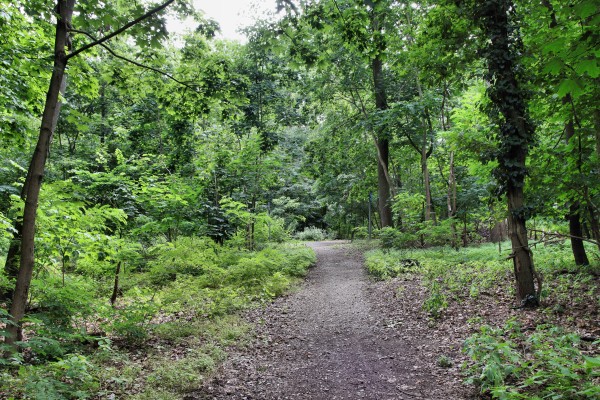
(130, 323)
(382, 266)
(311, 234)
(70, 377)
(232, 280)
(188, 256)
(548, 363)
(185, 374)
(447, 274)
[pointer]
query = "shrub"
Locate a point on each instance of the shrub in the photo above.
(187, 255)
(388, 237)
(547, 364)
(130, 323)
(65, 379)
(311, 234)
(383, 266)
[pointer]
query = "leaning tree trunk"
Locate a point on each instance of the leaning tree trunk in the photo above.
(35, 173)
(515, 136)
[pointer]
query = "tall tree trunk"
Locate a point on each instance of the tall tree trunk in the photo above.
(36, 169)
(383, 186)
(452, 200)
(515, 136)
(382, 141)
(429, 213)
(592, 210)
(383, 148)
(574, 215)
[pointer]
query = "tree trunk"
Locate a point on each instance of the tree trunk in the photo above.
(522, 257)
(576, 233)
(429, 213)
(452, 200)
(515, 135)
(36, 169)
(383, 190)
(574, 215)
(115, 292)
(382, 142)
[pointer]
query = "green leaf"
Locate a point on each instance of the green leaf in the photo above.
(586, 8)
(588, 66)
(554, 46)
(592, 362)
(569, 86)
(554, 66)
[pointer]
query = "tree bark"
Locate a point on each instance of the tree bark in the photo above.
(515, 134)
(36, 169)
(115, 292)
(576, 233)
(429, 213)
(574, 215)
(383, 150)
(452, 200)
(382, 141)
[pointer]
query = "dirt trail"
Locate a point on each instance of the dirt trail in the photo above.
(331, 340)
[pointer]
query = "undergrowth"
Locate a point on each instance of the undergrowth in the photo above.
(186, 297)
(546, 364)
(508, 363)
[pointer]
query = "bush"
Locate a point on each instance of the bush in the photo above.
(548, 364)
(388, 237)
(130, 323)
(68, 378)
(187, 255)
(382, 266)
(311, 234)
(436, 234)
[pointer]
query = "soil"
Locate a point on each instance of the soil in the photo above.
(342, 336)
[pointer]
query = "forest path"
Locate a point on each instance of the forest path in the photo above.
(332, 339)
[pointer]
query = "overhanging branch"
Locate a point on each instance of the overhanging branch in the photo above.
(158, 71)
(120, 30)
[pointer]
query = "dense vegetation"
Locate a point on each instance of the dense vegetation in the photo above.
(156, 187)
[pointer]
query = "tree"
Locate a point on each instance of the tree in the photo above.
(33, 182)
(516, 132)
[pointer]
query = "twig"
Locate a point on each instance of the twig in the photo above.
(562, 235)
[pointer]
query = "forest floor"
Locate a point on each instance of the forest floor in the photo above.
(343, 336)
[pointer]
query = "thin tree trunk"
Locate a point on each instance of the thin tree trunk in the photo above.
(574, 216)
(35, 173)
(429, 214)
(452, 200)
(115, 292)
(576, 233)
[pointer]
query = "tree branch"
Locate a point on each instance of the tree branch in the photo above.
(120, 30)
(158, 71)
